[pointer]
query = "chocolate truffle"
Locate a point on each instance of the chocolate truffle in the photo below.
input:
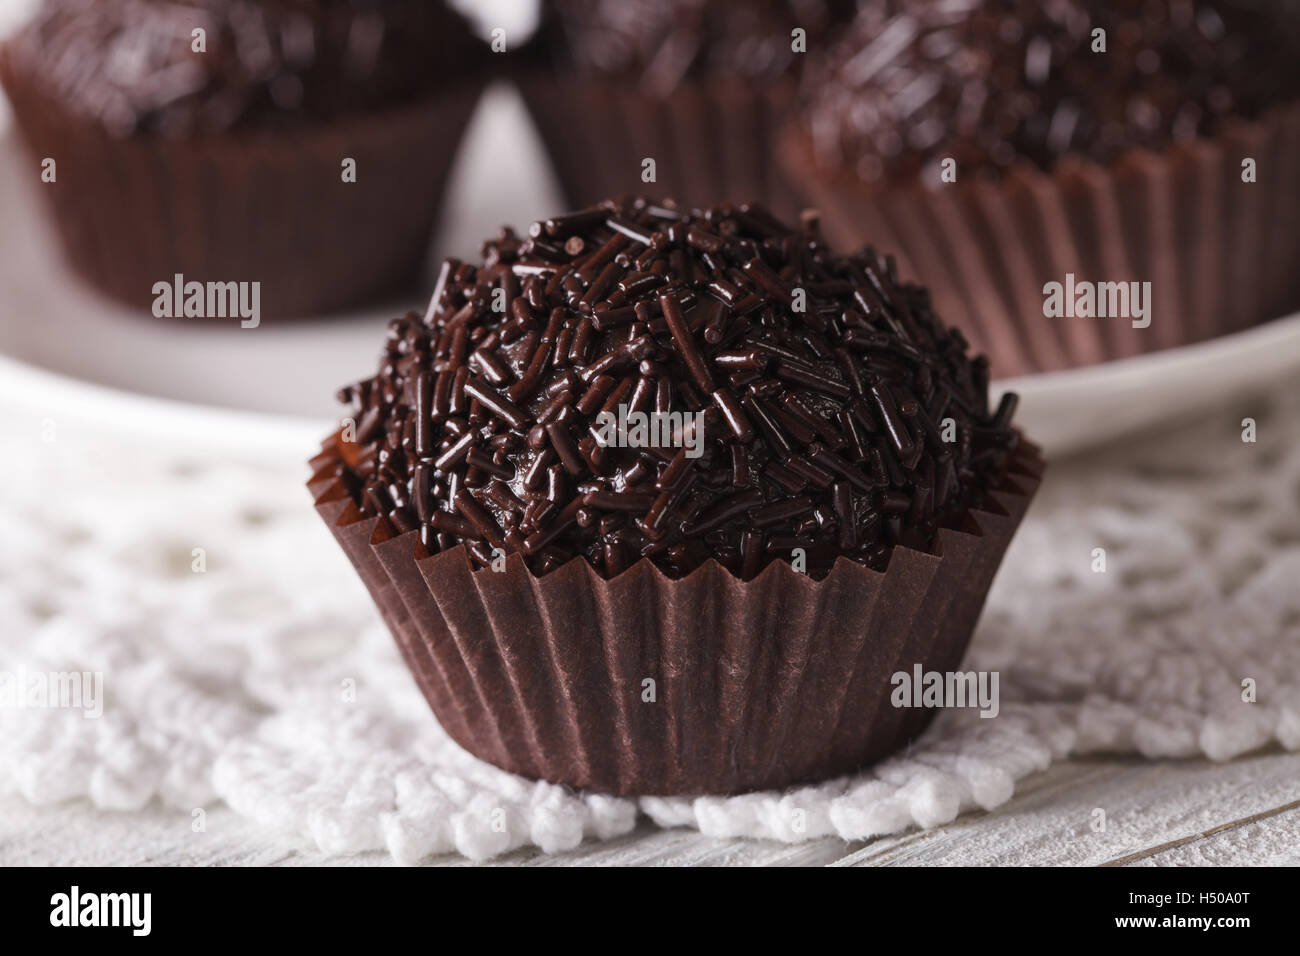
(299, 144)
(712, 607)
(658, 44)
(637, 381)
(992, 82)
(133, 65)
(999, 146)
(700, 87)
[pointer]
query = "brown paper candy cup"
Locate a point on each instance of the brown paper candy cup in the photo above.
(1219, 253)
(269, 207)
(755, 685)
(711, 142)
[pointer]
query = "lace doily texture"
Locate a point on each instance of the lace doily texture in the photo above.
(242, 661)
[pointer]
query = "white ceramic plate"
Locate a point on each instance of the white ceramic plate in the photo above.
(270, 390)
(1068, 412)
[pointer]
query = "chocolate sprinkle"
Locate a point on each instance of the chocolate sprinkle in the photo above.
(815, 428)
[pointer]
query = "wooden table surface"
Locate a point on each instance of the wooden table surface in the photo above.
(1162, 813)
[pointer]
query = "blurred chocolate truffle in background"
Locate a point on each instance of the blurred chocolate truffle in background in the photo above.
(659, 44)
(699, 86)
(208, 138)
(997, 145)
(993, 82)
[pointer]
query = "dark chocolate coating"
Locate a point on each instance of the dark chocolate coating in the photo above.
(658, 43)
(130, 64)
(993, 82)
(825, 385)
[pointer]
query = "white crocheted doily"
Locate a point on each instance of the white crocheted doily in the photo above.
(266, 680)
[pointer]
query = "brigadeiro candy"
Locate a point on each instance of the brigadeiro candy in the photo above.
(301, 144)
(699, 86)
(1141, 141)
(657, 502)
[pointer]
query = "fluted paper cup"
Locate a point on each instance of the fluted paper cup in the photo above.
(646, 685)
(265, 206)
(1219, 252)
(711, 142)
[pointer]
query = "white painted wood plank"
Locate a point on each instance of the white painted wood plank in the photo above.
(1274, 841)
(1146, 805)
